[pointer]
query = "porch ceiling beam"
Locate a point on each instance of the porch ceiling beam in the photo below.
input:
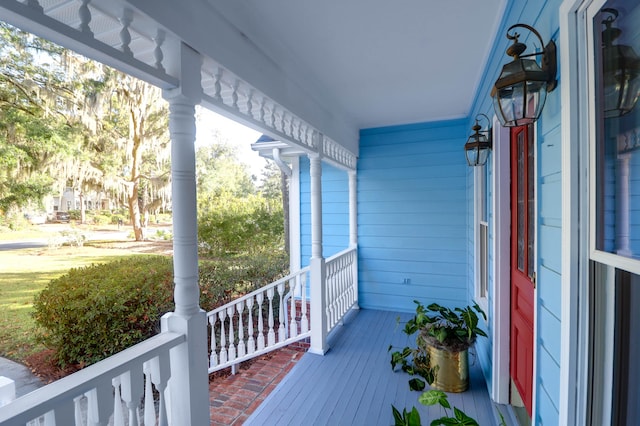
(37, 22)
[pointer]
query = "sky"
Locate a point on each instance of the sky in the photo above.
(238, 135)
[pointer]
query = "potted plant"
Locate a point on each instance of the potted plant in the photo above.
(444, 336)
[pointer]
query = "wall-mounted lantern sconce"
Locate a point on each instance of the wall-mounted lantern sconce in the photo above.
(479, 143)
(520, 91)
(621, 70)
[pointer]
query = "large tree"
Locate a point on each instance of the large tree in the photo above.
(66, 121)
(38, 130)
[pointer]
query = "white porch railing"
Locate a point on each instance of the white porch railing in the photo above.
(111, 390)
(341, 286)
(259, 322)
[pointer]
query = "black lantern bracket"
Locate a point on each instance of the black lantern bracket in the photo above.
(549, 63)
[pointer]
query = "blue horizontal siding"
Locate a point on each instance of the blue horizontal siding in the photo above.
(412, 216)
(335, 211)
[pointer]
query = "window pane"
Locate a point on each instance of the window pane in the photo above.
(530, 204)
(617, 39)
(520, 200)
(626, 388)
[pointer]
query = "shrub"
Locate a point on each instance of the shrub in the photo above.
(93, 312)
(223, 280)
(233, 225)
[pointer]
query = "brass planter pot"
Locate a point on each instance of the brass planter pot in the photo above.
(452, 369)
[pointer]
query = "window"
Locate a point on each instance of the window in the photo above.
(482, 237)
(614, 211)
(617, 144)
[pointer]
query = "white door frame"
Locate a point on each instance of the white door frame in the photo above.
(501, 249)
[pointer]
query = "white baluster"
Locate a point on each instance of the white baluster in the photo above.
(149, 403)
(118, 415)
(251, 341)
(242, 348)
(213, 358)
(98, 406)
(157, 52)
(329, 295)
(304, 320)
(218, 85)
(131, 391)
(271, 335)
(49, 418)
(260, 300)
(262, 109)
(282, 332)
(78, 410)
(232, 339)
(125, 35)
(223, 338)
(250, 103)
(160, 374)
(85, 17)
(234, 95)
(293, 311)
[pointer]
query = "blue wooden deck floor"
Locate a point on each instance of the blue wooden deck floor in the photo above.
(353, 384)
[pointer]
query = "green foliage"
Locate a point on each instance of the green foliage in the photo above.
(93, 312)
(218, 171)
(74, 214)
(223, 280)
(433, 397)
(230, 225)
(449, 329)
(411, 418)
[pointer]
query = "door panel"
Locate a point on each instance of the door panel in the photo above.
(522, 261)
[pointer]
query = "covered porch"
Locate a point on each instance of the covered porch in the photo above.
(353, 382)
(417, 225)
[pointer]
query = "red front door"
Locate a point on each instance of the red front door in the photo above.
(522, 261)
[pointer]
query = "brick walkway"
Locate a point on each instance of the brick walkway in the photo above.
(232, 399)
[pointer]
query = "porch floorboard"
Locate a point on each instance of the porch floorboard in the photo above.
(352, 384)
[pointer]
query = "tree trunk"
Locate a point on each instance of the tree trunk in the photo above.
(83, 212)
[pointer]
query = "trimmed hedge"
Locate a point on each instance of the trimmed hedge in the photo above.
(93, 312)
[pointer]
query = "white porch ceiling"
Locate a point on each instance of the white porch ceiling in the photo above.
(376, 62)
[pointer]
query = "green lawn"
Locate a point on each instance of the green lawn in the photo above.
(23, 273)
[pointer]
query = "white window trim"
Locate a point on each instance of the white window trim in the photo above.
(573, 328)
(500, 287)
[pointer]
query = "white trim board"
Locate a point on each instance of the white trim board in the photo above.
(501, 248)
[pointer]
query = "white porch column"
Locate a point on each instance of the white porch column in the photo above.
(318, 270)
(353, 209)
(188, 386)
(353, 225)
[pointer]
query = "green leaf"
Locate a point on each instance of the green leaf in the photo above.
(399, 421)
(445, 421)
(416, 384)
(463, 419)
(414, 417)
(440, 334)
(433, 397)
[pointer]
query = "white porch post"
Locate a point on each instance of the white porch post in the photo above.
(318, 270)
(188, 386)
(353, 225)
